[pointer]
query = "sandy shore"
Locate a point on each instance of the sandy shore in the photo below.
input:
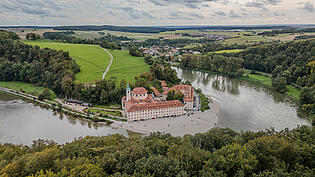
(179, 126)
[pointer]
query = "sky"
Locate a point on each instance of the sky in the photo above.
(156, 12)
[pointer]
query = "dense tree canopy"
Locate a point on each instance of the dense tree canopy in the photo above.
(230, 66)
(46, 67)
(290, 60)
(219, 152)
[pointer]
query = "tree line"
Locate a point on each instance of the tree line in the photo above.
(109, 42)
(289, 30)
(290, 61)
(230, 66)
(218, 153)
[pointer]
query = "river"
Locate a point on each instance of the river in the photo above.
(245, 105)
(22, 122)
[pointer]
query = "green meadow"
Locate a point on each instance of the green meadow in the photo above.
(262, 78)
(227, 51)
(26, 87)
(265, 79)
(92, 59)
(126, 66)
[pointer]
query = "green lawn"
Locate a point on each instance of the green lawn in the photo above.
(265, 79)
(113, 113)
(126, 66)
(92, 59)
(258, 78)
(294, 92)
(26, 87)
(228, 51)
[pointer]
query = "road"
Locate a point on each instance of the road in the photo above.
(111, 61)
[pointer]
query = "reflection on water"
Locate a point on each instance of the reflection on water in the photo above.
(244, 105)
(22, 122)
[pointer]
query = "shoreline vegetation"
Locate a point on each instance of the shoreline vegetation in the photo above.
(57, 107)
(259, 78)
(205, 101)
(265, 79)
(27, 88)
(218, 152)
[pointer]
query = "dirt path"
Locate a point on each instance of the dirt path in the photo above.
(111, 61)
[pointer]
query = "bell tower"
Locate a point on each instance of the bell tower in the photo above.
(128, 92)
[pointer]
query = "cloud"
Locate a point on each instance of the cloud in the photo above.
(154, 12)
(185, 15)
(308, 6)
(220, 13)
(233, 14)
(262, 3)
(47, 8)
(193, 4)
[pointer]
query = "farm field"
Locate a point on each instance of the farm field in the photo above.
(126, 66)
(26, 87)
(246, 40)
(228, 51)
(92, 59)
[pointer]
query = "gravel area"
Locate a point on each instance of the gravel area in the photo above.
(198, 122)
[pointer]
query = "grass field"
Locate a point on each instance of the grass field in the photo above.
(114, 113)
(294, 92)
(126, 66)
(26, 87)
(265, 79)
(92, 59)
(257, 78)
(228, 51)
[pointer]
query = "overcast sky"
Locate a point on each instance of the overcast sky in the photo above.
(156, 12)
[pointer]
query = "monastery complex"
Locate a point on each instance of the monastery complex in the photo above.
(139, 105)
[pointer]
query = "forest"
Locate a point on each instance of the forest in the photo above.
(212, 47)
(108, 41)
(290, 60)
(289, 30)
(113, 28)
(218, 153)
(45, 67)
(158, 29)
(230, 66)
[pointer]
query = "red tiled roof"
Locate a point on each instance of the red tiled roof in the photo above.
(156, 105)
(189, 91)
(163, 83)
(148, 99)
(139, 90)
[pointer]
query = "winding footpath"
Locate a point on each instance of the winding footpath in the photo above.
(111, 61)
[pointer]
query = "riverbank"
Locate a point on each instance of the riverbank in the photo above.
(260, 78)
(199, 122)
(265, 80)
(59, 106)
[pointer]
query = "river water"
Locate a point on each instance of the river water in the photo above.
(245, 105)
(22, 122)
